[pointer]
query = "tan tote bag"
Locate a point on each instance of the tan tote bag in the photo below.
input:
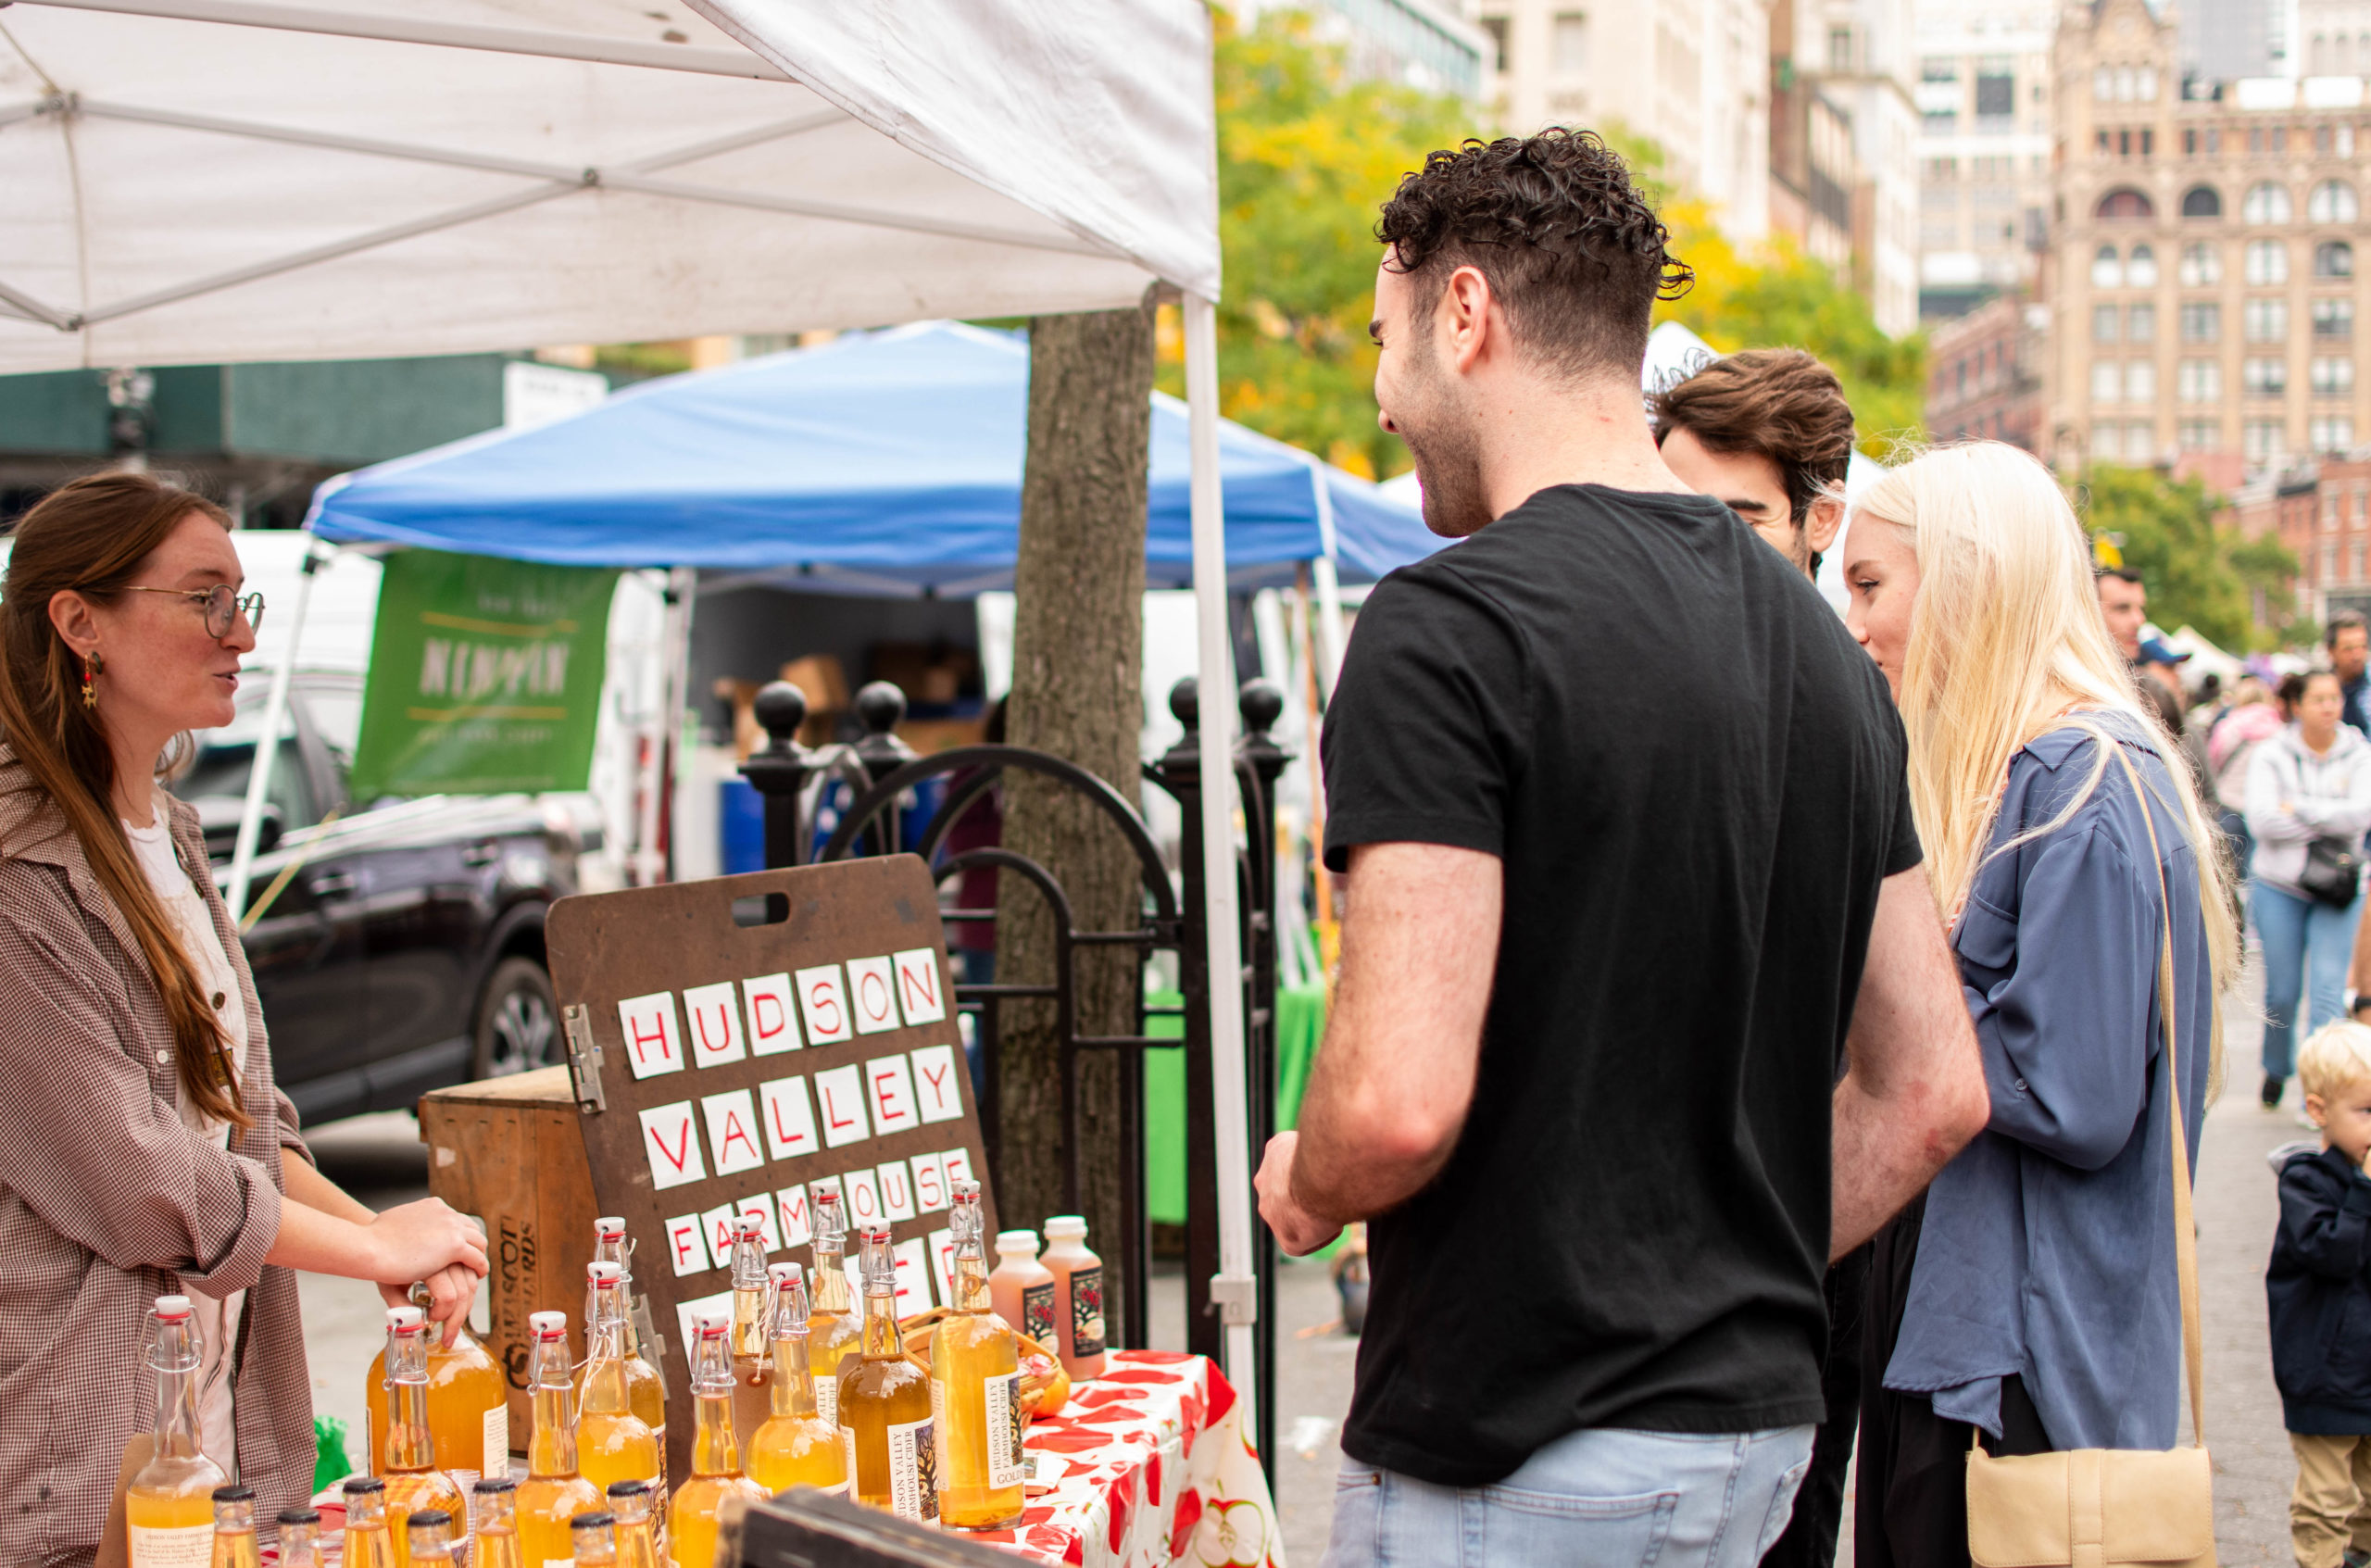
(2097, 1507)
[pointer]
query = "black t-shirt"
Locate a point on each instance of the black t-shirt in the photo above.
(1695, 780)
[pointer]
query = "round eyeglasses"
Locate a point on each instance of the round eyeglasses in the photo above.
(221, 606)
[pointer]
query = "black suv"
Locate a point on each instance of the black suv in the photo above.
(399, 948)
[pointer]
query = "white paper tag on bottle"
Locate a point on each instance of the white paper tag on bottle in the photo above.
(847, 1455)
(1002, 1423)
(186, 1546)
(913, 1471)
(497, 1439)
(827, 1398)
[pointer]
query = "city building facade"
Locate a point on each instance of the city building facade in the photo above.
(1850, 64)
(1985, 99)
(1984, 374)
(1427, 44)
(2201, 269)
(2321, 511)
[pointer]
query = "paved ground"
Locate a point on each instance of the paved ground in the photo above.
(379, 1160)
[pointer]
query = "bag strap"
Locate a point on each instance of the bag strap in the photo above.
(2185, 1229)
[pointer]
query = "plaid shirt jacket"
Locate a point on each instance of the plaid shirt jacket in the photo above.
(106, 1200)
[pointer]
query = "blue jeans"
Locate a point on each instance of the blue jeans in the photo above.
(2307, 945)
(1602, 1497)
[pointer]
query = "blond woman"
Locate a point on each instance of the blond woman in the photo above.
(2030, 1294)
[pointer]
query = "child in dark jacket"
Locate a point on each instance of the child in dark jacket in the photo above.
(2319, 1287)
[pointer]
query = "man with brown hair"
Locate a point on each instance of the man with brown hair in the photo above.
(1768, 434)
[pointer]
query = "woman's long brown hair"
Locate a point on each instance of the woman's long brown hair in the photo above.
(92, 537)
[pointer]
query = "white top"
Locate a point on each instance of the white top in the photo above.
(217, 1321)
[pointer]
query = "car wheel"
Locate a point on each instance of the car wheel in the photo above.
(518, 1022)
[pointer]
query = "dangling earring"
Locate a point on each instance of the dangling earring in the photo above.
(93, 667)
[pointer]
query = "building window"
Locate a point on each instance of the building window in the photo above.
(2200, 435)
(2333, 376)
(2329, 563)
(1940, 67)
(2140, 381)
(2265, 440)
(2147, 142)
(2334, 319)
(2266, 377)
(2143, 328)
(2104, 85)
(2107, 442)
(2202, 322)
(2267, 262)
(2189, 148)
(2333, 258)
(2331, 433)
(2105, 321)
(2200, 381)
(1497, 28)
(2141, 273)
(2107, 380)
(2265, 203)
(2139, 442)
(1839, 50)
(2202, 201)
(2123, 143)
(2201, 265)
(2107, 271)
(1570, 38)
(1996, 89)
(2346, 141)
(2265, 321)
(2332, 201)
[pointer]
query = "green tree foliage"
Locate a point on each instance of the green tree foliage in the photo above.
(2200, 573)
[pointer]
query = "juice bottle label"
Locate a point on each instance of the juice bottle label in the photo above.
(827, 1398)
(913, 1470)
(1086, 1311)
(465, 1479)
(1003, 1425)
(1037, 1312)
(183, 1546)
(847, 1454)
(498, 1440)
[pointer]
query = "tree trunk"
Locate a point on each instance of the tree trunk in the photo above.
(1077, 686)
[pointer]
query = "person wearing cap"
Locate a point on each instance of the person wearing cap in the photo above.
(145, 1147)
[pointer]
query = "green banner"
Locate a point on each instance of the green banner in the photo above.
(485, 676)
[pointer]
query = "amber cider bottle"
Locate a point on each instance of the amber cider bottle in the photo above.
(975, 1390)
(367, 1545)
(169, 1507)
(596, 1538)
(646, 1392)
(612, 1442)
(409, 1462)
(885, 1403)
(716, 1457)
(795, 1446)
(553, 1493)
(493, 1506)
(300, 1537)
(468, 1408)
(633, 1504)
(234, 1529)
(752, 1357)
(834, 1333)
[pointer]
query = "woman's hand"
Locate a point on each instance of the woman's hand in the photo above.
(422, 1241)
(451, 1291)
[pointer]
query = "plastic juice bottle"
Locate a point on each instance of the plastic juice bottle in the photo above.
(493, 1505)
(407, 1464)
(646, 1390)
(716, 1457)
(234, 1529)
(631, 1504)
(469, 1409)
(794, 1447)
(169, 1507)
(612, 1443)
(300, 1537)
(428, 1537)
(753, 1360)
(885, 1403)
(368, 1545)
(1078, 1297)
(975, 1391)
(553, 1493)
(1021, 1290)
(834, 1333)
(596, 1538)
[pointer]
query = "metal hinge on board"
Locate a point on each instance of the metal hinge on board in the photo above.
(583, 1059)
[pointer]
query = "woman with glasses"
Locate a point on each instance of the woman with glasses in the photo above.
(143, 1148)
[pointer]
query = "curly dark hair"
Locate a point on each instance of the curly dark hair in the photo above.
(1779, 403)
(1571, 250)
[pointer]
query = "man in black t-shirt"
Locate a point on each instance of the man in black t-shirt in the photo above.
(1630, 872)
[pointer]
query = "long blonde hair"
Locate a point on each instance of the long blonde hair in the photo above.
(2005, 638)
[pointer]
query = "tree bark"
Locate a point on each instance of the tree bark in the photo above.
(1077, 692)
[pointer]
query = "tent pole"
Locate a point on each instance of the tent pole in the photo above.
(683, 588)
(1233, 1290)
(275, 708)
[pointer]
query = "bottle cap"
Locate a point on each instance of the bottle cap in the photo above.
(434, 1518)
(964, 1191)
(627, 1487)
(710, 1320)
(549, 1325)
(490, 1483)
(750, 1225)
(172, 1309)
(783, 1274)
(363, 1486)
(1017, 1242)
(609, 1227)
(604, 1274)
(586, 1521)
(403, 1320)
(234, 1493)
(299, 1516)
(1066, 1226)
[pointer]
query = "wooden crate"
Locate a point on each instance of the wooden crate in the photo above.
(511, 1152)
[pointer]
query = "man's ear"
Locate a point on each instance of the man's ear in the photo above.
(1819, 528)
(1464, 318)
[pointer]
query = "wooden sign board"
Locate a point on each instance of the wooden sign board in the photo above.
(726, 1068)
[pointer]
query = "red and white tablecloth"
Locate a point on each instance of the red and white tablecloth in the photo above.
(1155, 1470)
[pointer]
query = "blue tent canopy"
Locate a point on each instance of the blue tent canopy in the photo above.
(888, 463)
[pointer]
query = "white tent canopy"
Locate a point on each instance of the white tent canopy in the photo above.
(195, 180)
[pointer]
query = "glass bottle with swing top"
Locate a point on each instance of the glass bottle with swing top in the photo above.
(796, 1446)
(407, 1464)
(835, 1334)
(885, 1403)
(553, 1493)
(975, 1389)
(169, 1510)
(752, 1358)
(716, 1455)
(612, 1443)
(646, 1391)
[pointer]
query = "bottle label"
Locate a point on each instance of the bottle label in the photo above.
(496, 1429)
(466, 1480)
(827, 1398)
(186, 1546)
(1086, 1311)
(913, 1470)
(847, 1455)
(1003, 1425)
(1037, 1312)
